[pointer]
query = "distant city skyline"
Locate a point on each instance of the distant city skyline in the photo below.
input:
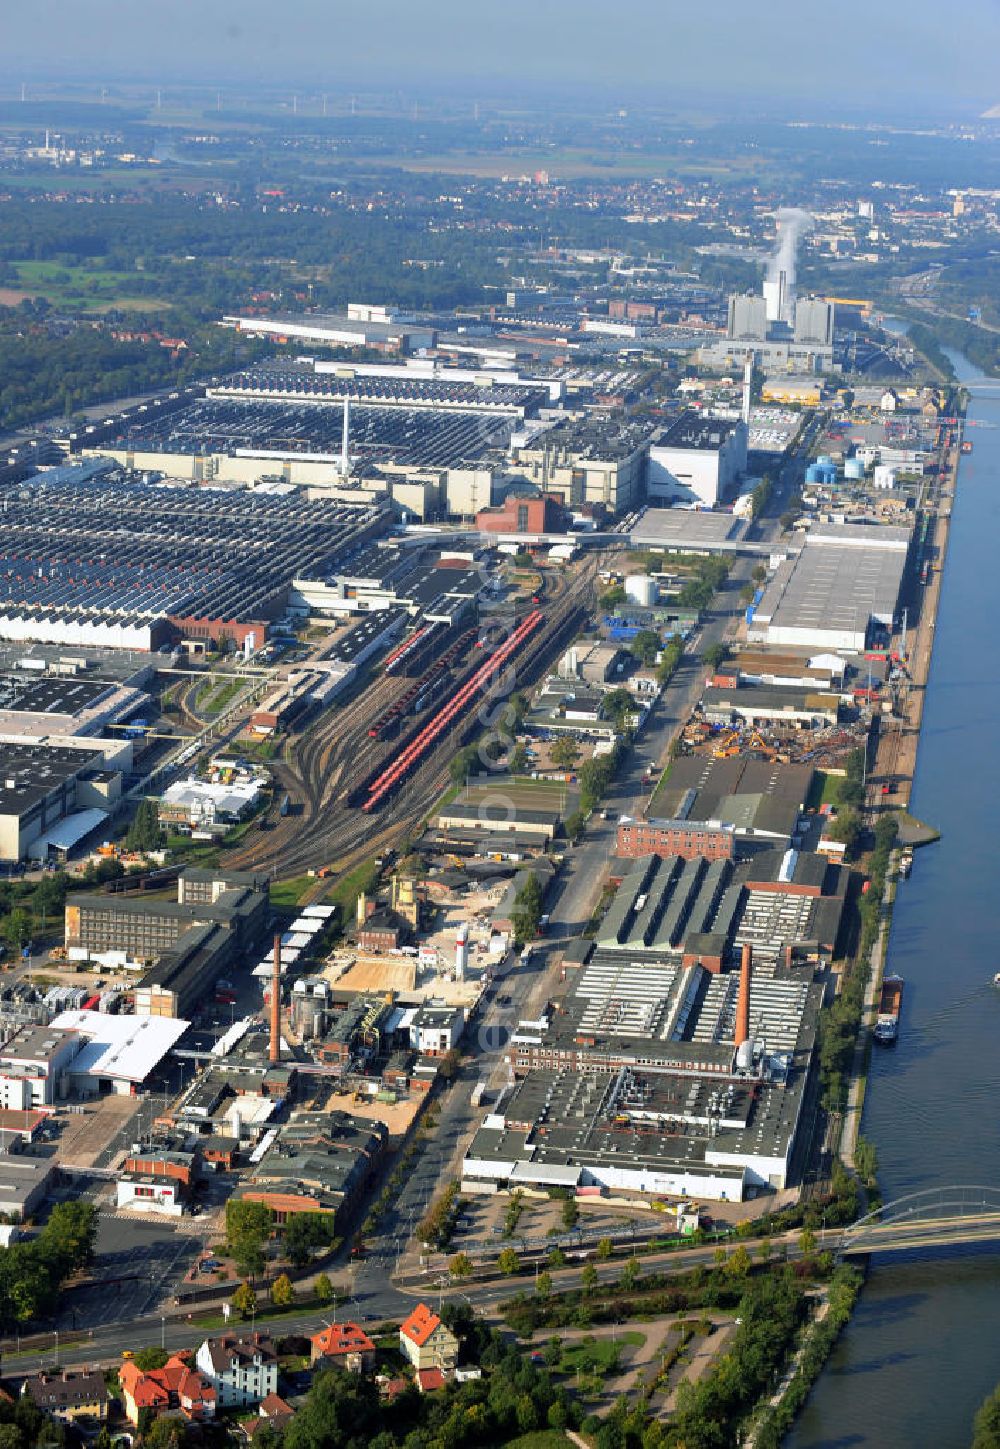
(852, 55)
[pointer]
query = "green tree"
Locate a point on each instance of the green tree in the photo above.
(323, 1289)
(450, 1065)
(304, 1234)
(574, 824)
(986, 1425)
(847, 829)
(244, 1300)
(758, 573)
(147, 1359)
(50, 894)
(588, 1279)
(282, 1291)
(645, 646)
(248, 1227)
(527, 909)
(807, 1241)
(605, 1248)
(460, 1266)
(144, 833)
(508, 1262)
(618, 705)
(18, 928)
(738, 1265)
(866, 1161)
(543, 1285)
(517, 759)
(629, 1275)
(715, 655)
(565, 753)
(569, 1213)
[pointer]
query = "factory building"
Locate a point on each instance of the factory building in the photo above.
(373, 328)
(52, 796)
(761, 801)
(218, 919)
(838, 593)
(782, 333)
(697, 459)
(684, 838)
(656, 1074)
(688, 530)
(207, 566)
(588, 463)
(524, 515)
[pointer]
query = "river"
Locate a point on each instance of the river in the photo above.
(923, 1348)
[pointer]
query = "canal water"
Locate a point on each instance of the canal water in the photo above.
(923, 1348)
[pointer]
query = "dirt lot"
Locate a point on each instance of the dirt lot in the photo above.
(398, 1117)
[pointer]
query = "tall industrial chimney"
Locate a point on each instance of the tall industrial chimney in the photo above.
(274, 1055)
(747, 386)
(743, 1000)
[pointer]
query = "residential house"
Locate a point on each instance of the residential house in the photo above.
(273, 1411)
(242, 1368)
(176, 1387)
(430, 1380)
(426, 1341)
(343, 1345)
(73, 1394)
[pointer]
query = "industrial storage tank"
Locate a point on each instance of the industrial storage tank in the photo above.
(642, 590)
(820, 472)
(854, 468)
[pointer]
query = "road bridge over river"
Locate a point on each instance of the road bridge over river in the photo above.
(936, 1217)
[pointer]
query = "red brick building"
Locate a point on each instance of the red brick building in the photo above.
(686, 838)
(523, 515)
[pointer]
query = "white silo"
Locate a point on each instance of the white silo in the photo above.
(642, 590)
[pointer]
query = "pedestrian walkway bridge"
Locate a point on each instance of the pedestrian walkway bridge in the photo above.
(936, 1217)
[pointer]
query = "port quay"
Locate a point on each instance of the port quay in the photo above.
(919, 1354)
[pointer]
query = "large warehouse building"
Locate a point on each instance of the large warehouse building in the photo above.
(697, 460)
(837, 593)
(134, 565)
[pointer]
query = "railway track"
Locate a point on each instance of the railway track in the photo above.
(338, 751)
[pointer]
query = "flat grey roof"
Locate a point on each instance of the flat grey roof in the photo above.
(834, 585)
(680, 528)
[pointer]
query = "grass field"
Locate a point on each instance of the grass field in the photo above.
(523, 793)
(823, 791)
(598, 1355)
(286, 894)
(92, 289)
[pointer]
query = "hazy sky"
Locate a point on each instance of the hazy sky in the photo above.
(934, 55)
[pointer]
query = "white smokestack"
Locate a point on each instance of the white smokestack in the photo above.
(793, 223)
(747, 386)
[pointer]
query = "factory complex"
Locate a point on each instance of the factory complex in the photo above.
(269, 619)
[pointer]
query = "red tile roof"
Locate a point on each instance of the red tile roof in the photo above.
(341, 1338)
(428, 1380)
(420, 1325)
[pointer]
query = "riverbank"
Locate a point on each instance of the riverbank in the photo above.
(918, 1355)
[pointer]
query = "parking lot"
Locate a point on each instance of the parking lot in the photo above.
(138, 1267)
